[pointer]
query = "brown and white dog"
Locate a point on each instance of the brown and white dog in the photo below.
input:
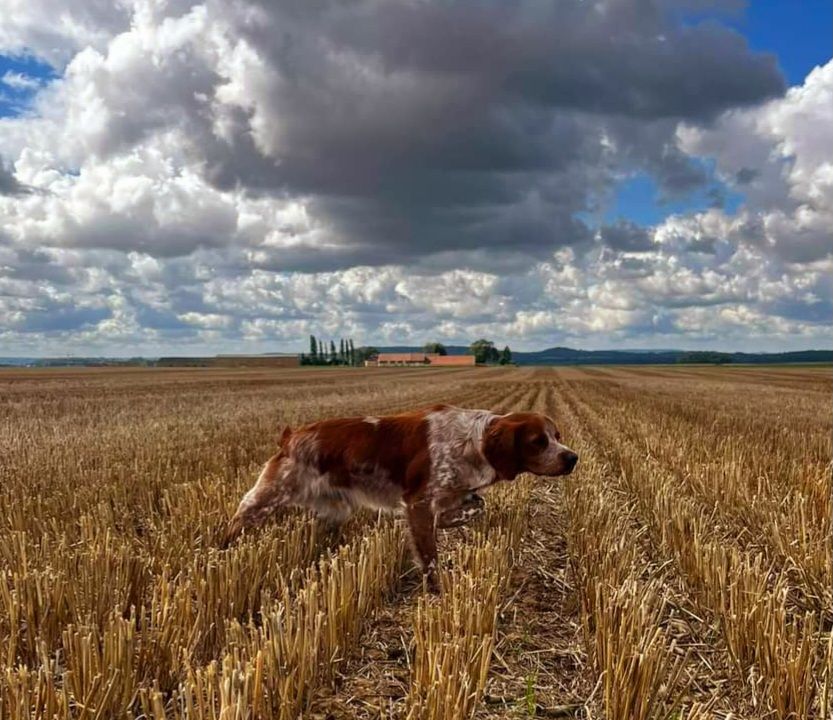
(432, 463)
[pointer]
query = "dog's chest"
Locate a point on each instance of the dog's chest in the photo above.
(454, 449)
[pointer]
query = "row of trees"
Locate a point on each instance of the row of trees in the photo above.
(320, 353)
(346, 353)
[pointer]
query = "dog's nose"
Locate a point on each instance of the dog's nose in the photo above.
(570, 459)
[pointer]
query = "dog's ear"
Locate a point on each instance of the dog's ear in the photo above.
(500, 446)
(284, 438)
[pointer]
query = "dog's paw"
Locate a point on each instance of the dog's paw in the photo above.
(431, 583)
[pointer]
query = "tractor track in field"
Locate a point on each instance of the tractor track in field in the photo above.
(540, 668)
(537, 663)
(708, 657)
(376, 680)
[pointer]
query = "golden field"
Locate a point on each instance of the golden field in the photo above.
(683, 570)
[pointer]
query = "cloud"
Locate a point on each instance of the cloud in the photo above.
(228, 175)
(626, 235)
(440, 127)
(9, 184)
(779, 155)
(405, 129)
(55, 31)
(19, 81)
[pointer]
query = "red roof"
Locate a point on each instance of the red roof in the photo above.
(452, 360)
(401, 357)
(426, 358)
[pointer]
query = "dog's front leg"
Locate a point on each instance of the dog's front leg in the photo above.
(270, 492)
(421, 523)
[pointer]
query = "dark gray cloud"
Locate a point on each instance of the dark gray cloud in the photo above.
(426, 127)
(746, 175)
(412, 130)
(818, 310)
(53, 317)
(37, 264)
(623, 57)
(158, 319)
(627, 236)
(9, 184)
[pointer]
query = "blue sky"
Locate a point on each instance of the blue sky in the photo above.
(800, 34)
(14, 100)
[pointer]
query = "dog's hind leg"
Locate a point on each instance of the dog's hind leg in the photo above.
(272, 490)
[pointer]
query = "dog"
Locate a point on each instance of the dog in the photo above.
(432, 463)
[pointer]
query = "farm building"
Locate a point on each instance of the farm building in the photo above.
(384, 359)
(452, 360)
(419, 359)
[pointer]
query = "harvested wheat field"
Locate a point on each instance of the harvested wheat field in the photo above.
(683, 570)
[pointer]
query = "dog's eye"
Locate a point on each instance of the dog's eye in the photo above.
(540, 441)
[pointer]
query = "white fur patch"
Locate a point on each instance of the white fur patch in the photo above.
(455, 438)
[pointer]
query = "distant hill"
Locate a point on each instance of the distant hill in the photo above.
(571, 356)
(72, 361)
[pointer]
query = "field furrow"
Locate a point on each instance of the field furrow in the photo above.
(382, 678)
(759, 612)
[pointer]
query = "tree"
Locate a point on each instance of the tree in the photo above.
(342, 358)
(313, 349)
(352, 351)
(484, 351)
(365, 353)
(332, 352)
(434, 347)
(322, 353)
(505, 356)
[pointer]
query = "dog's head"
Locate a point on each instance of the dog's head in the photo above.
(526, 442)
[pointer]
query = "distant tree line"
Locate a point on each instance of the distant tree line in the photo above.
(705, 357)
(486, 353)
(323, 353)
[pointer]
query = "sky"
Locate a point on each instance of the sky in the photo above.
(181, 177)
